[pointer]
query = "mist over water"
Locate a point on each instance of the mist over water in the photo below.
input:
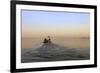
(69, 33)
(65, 42)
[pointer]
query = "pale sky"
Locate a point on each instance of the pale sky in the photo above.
(44, 23)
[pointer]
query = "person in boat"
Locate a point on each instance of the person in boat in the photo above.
(47, 40)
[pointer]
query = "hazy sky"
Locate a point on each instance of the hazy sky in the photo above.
(43, 23)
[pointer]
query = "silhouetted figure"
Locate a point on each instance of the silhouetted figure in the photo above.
(45, 41)
(49, 40)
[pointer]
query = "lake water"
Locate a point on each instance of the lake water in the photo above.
(65, 42)
(33, 50)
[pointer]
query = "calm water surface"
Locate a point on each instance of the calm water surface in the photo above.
(66, 42)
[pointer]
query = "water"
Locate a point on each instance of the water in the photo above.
(66, 42)
(33, 50)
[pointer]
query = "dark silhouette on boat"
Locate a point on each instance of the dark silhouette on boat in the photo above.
(47, 40)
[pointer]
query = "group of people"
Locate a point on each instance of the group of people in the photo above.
(47, 40)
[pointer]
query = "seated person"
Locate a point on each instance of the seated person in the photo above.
(49, 40)
(45, 41)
